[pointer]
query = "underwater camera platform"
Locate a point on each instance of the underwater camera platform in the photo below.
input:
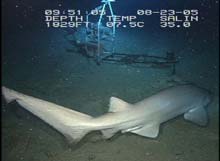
(86, 42)
(136, 60)
(97, 42)
(89, 50)
(142, 60)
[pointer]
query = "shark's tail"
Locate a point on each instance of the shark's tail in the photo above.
(68, 122)
(9, 97)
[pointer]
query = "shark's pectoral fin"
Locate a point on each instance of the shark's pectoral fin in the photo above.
(150, 130)
(197, 115)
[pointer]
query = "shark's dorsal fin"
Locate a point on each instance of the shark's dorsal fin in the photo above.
(117, 105)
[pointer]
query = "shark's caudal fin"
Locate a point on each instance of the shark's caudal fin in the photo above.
(65, 120)
(7, 95)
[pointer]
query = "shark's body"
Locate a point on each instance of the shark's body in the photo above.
(142, 118)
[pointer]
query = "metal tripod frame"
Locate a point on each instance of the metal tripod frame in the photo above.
(99, 24)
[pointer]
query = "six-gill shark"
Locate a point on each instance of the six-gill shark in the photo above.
(142, 118)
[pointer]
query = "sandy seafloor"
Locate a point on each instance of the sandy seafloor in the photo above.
(39, 64)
